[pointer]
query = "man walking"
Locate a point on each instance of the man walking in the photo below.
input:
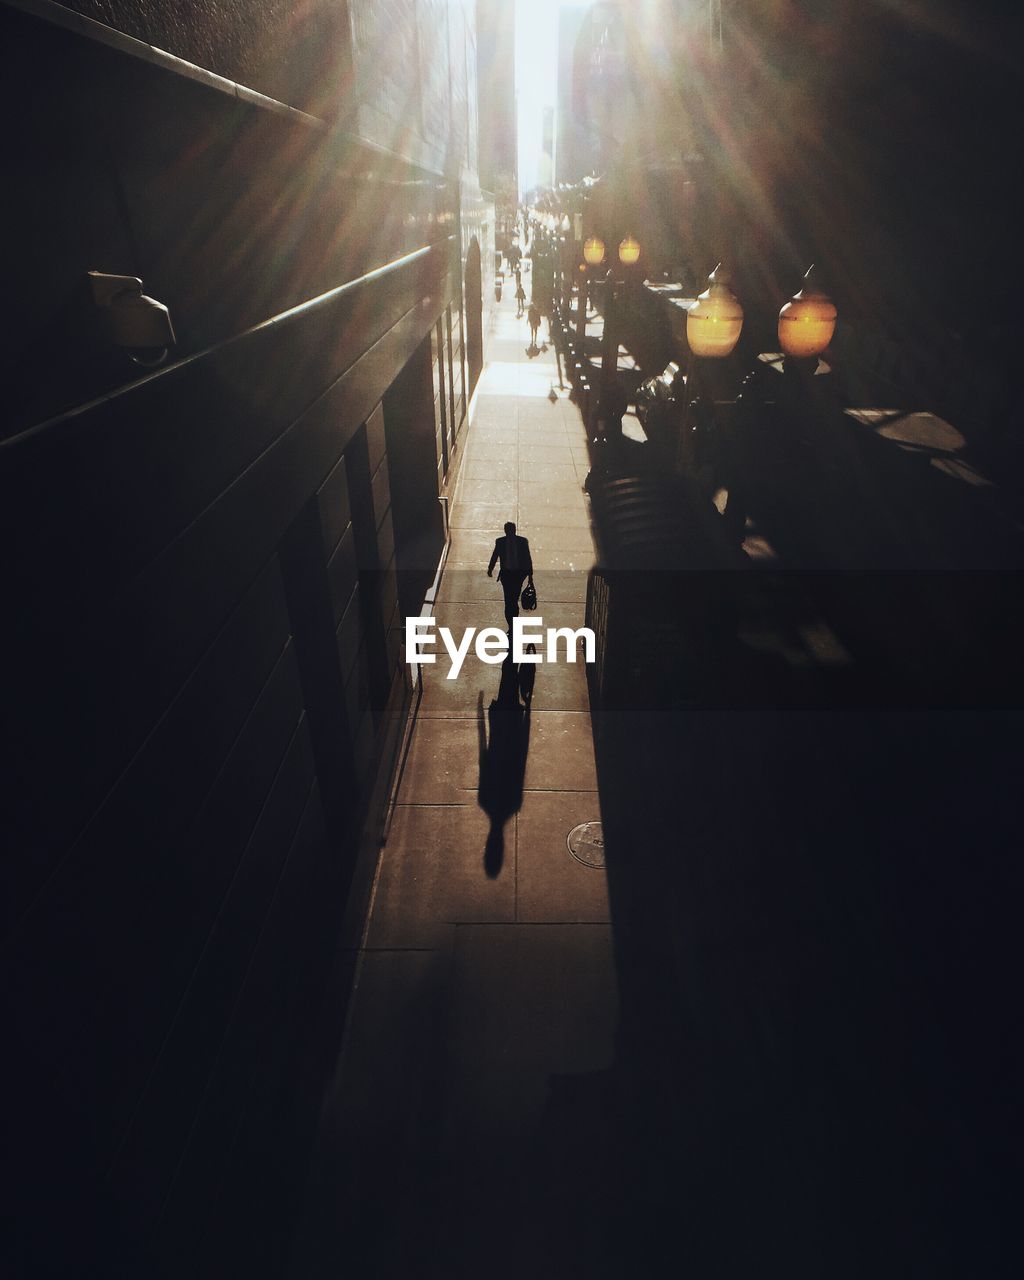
(513, 555)
(533, 320)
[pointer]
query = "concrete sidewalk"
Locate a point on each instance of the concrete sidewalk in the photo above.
(486, 992)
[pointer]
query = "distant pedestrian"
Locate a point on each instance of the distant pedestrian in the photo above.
(533, 320)
(512, 554)
(520, 297)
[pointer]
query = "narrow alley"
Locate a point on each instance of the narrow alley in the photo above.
(698, 960)
(486, 993)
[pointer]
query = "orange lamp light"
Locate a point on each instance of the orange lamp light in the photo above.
(807, 321)
(629, 251)
(714, 321)
(593, 251)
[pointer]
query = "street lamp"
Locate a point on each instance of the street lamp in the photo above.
(713, 325)
(807, 324)
(807, 321)
(629, 251)
(593, 251)
(714, 321)
(615, 290)
(629, 256)
(593, 256)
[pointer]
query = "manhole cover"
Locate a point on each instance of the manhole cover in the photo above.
(586, 844)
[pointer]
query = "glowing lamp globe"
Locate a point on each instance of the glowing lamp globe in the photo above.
(807, 321)
(714, 321)
(629, 251)
(593, 251)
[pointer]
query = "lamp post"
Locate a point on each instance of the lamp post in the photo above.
(807, 324)
(613, 399)
(629, 256)
(713, 326)
(565, 256)
(593, 256)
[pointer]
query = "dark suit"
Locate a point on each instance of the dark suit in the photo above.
(511, 575)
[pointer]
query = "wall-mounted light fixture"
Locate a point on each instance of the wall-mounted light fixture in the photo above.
(139, 324)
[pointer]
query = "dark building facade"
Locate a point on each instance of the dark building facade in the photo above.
(573, 152)
(206, 690)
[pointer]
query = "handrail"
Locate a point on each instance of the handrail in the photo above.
(282, 318)
(79, 23)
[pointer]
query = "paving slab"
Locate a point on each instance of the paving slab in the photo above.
(490, 469)
(553, 537)
(561, 750)
(552, 885)
(458, 616)
(580, 562)
(495, 446)
(560, 586)
(378, 1108)
(461, 585)
(560, 686)
(535, 512)
(476, 685)
(442, 766)
(471, 549)
(564, 494)
(431, 875)
(528, 1001)
(483, 515)
(545, 451)
(487, 491)
(550, 475)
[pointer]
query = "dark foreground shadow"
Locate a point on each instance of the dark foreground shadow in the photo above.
(504, 741)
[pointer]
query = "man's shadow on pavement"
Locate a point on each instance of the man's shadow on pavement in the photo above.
(504, 742)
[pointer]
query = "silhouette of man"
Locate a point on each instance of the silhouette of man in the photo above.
(504, 742)
(513, 555)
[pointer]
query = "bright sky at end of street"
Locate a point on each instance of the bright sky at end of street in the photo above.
(536, 77)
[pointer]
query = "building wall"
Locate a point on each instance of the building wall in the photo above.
(499, 162)
(299, 53)
(574, 158)
(208, 691)
(478, 227)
